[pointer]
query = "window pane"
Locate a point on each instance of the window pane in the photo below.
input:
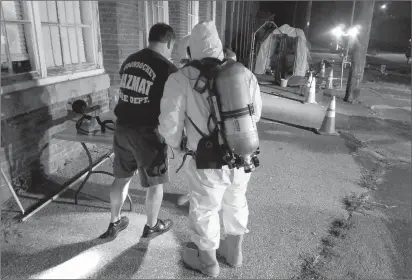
(66, 47)
(61, 11)
(76, 11)
(17, 42)
(149, 15)
(82, 54)
(51, 44)
(68, 11)
(62, 39)
(161, 15)
(12, 10)
(155, 15)
(51, 11)
(73, 44)
(13, 39)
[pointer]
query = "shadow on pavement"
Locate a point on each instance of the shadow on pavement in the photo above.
(15, 265)
(127, 264)
(311, 129)
(307, 141)
(374, 125)
(283, 96)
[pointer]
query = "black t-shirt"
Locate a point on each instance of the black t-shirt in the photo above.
(143, 77)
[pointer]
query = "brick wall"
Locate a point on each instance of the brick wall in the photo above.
(205, 10)
(122, 29)
(178, 19)
(218, 23)
(30, 118)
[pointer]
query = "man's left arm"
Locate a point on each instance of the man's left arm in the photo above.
(172, 111)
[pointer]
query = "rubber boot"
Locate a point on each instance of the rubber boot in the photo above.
(203, 261)
(231, 249)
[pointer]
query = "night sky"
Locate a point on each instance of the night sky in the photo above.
(392, 33)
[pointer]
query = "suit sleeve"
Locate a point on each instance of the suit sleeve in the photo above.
(172, 111)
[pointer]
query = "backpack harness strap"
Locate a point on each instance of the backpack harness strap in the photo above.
(203, 66)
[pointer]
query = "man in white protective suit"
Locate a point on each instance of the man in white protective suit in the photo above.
(228, 54)
(210, 189)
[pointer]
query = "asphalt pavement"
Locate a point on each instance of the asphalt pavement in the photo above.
(293, 197)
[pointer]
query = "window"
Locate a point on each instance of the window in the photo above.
(49, 38)
(156, 11)
(193, 14)
(15, 28)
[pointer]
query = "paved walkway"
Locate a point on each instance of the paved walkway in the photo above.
(293, 197)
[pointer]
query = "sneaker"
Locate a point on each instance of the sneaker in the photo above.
(161, 227)
(115, 228)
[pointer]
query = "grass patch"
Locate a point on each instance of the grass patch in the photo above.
(342, 223)
(339, 227)
(328, 252)
(354, 203)
(328, 242)
(309, 269)
(335, 232)
(370, 178)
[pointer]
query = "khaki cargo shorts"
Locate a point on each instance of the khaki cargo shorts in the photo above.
(140, 149)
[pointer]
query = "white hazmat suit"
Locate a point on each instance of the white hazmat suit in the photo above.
(210, 189)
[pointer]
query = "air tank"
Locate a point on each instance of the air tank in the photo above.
(239, 126)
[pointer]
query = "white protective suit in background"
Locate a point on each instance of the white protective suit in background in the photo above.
(210, 189)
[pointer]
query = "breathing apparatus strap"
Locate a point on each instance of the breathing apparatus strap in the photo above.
(206, 76)
(190, 152)
(195, 126)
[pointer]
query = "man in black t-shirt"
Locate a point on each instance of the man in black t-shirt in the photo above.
(137, 144)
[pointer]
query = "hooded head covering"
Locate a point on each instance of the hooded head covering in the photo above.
(204, 41)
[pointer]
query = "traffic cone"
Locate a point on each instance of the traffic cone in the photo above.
(328, 124)
(330, 80)
(311, 91)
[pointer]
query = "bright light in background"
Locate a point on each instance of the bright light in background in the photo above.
(80, 267)
(384, 6)
(337, 31)
(354, 31)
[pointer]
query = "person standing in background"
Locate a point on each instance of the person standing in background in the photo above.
(137, 144)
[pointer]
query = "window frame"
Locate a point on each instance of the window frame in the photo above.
(41, 75)
(146, 17)
(214, 11)
(192, 13)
